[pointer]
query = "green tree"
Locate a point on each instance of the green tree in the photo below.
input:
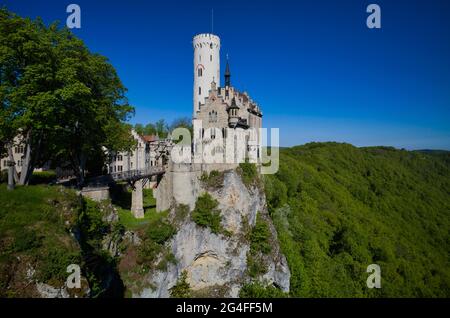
(150, 129)
(181, 289)
(183, 122)
(207, 214)
(64, 101)
(162, 129)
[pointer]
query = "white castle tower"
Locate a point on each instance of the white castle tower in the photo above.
(206, 66)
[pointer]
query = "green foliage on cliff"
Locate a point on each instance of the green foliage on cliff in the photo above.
(206, 213)
(213, 180)
(157, 233)
(248, 173)
(258, 290)
(338, 208)
(160, 231)
(45, 229)
(260, 236)
(34, 225)
(181, 289)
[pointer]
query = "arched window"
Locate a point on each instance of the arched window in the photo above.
(199, 90)
(210, 57)
(200, 72)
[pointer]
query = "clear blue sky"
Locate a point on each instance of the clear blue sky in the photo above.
(315, 68)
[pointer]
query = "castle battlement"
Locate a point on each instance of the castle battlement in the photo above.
(205, 40)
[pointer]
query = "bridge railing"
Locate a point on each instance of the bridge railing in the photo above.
(137, 173)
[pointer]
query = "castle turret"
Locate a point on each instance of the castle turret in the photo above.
(233, 114)
(206, 66)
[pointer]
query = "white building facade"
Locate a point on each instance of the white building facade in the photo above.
(206, 66)
(226, 122)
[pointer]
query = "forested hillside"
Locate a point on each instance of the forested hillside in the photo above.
(338, 208)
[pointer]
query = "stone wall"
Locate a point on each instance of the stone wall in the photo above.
(97, 194)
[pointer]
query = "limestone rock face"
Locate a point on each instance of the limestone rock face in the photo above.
(216, 264)
(47, 291)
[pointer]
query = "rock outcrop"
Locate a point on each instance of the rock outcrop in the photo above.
(216, 264)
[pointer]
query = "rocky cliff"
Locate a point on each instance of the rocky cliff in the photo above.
(218, 264)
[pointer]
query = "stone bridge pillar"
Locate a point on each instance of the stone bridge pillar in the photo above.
(137, 204)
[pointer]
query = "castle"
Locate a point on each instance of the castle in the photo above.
(225, 121)
(226, 126)
(222, 113)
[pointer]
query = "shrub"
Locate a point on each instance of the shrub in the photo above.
(160, 231)
(181, 212)
(148, 251)
(257, 290)
(248, 172)
(206, 213)
(213, 180)
(260, 236)
(43, 177)
(166, 259)
(91, 224)
(255, 265)
(26, 240)
(181, 289)
(53, 264)
(4, 176)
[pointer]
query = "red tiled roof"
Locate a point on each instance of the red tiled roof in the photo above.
(149, 138)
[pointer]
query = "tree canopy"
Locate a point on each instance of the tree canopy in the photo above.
(338, 209)
(65, 102)
(161, 128)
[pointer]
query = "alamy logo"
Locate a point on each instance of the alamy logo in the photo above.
(374, 19)
(238, 147)
(74, 279)
(74, 19)
(374, 279)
